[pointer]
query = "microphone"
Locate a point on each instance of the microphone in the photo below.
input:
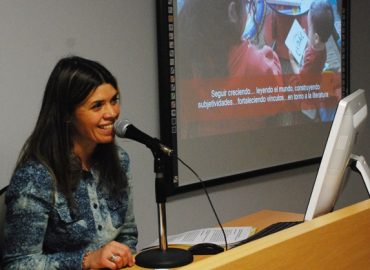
(124, 129)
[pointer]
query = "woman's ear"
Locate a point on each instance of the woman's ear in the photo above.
(232, 12)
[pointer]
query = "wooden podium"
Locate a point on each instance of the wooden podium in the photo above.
(339, 240)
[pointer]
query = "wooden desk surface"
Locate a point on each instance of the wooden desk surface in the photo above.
(338, 240)
(264, 218)
(259, 220)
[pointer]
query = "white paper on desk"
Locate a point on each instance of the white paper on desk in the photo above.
(210, 235)
(296, 41)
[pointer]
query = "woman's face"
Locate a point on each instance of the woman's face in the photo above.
(93, 119)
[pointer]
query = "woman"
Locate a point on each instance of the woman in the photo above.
(69, 203)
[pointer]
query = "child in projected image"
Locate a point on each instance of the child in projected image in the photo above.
(320, 21)
(210, 48)
(210, 41)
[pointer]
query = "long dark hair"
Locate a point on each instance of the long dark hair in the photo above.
(71, 81)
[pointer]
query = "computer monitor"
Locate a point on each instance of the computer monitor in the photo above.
(350, 114)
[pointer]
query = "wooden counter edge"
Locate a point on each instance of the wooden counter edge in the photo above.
(320, 227)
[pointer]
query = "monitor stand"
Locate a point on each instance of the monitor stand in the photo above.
(363, 168)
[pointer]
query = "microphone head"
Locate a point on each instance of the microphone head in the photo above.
(124, 129)
(120, 127)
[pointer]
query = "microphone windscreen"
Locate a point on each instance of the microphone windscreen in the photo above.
(120, 127)
(124, 129)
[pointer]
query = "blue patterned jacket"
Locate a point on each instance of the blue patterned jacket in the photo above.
(40, 230)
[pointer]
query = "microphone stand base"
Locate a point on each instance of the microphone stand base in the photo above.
(169, 258)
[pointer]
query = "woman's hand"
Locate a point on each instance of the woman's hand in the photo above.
(113, 255)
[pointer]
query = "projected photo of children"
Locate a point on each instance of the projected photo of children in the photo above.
(240, 65)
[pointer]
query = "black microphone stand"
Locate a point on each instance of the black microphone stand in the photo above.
(162, 257)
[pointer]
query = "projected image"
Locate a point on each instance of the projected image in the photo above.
(254, 84)
(254, 64)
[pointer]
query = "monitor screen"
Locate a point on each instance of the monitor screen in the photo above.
(251, 84)
(351, 113)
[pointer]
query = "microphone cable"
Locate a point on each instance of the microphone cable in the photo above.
(121, 128)
(209, 199)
